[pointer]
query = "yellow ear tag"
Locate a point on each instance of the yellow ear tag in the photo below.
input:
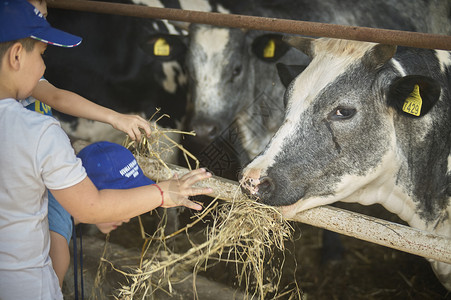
(161, 48)
(413, 103)
(270, 49)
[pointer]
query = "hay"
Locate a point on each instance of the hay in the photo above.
(243, 232)
(239, 231)
(161, 144)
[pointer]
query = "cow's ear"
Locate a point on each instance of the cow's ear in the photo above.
(413, 95)
(379, 55)
(164, 47)
(301, 43)
(269, 47)
(288, 72)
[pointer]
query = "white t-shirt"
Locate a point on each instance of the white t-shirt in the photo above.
(35, 154)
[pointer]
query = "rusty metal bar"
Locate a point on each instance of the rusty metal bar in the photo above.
(366, 34)
(345, 222)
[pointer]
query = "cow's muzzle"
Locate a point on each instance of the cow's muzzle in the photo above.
(258, 188)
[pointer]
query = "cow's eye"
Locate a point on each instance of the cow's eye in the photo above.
(342, 113)
(236, 71)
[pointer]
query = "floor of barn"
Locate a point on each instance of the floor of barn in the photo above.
(366, 271)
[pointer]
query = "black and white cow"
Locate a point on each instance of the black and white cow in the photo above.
(364, 123)
(233, 77)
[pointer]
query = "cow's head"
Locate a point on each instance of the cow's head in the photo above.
(228, 70)
(338, 141)
(217, 68)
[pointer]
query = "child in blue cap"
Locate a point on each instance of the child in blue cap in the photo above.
(70, 103)
(36, 155)
(46, 96)
(109, 166)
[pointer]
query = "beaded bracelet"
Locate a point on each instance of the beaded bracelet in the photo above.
(161, 192)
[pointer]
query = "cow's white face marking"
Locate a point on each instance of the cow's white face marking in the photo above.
(212, 40)
(322, 71)
(444, 58)
(211, 46)
(174, 76)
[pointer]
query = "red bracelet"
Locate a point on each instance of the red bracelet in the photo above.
(161, 192)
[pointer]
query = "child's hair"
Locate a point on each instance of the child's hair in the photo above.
(27, 43)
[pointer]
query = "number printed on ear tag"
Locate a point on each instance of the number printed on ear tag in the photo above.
(161, 48)
(413, 103)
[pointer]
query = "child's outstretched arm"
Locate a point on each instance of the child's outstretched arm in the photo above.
(75, 105)
(89, 205)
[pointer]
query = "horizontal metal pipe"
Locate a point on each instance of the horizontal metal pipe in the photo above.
(345, 222)
(366, 34)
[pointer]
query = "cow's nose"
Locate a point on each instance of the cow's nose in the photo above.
(206, 131)
(260, 189)
(265, 188)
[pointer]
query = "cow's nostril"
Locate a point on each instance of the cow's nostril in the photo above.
(266, 186)
(212, 132)
(206, 132)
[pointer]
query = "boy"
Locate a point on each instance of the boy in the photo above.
(70, 103)
(36, 155)
(45, 96)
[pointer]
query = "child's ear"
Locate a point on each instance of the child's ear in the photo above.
(413, 95)
(15, 55)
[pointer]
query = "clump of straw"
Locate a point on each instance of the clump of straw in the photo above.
(241, 231)
(161, 144)
(246, 232)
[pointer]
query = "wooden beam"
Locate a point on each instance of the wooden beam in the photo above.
(370, 229)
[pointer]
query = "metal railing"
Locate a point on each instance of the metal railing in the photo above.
(366, 34)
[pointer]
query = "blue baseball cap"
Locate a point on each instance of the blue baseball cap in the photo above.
(112, 166)
(19, 19)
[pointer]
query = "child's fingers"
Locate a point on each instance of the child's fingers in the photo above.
(200, 191)
(142, 123)
(146, 127)
(131, 133)
(195, 176)
(136, 134)
(191, 204)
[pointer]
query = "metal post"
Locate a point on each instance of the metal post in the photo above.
(384, 36)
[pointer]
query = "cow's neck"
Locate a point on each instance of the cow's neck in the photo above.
(386, 191)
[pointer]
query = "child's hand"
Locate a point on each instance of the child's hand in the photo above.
(130, 124)
(177, 190)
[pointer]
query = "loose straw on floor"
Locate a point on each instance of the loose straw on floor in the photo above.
(345, 222)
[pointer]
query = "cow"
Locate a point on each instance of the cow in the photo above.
(235, 87)
(232, 72)
(365, 123)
